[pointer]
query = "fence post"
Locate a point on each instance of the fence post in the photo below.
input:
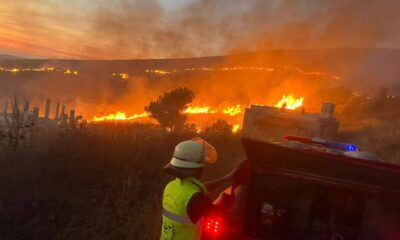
(47, 109)
(26, 106)
(57, 111)
(35, 114)
(72, 116)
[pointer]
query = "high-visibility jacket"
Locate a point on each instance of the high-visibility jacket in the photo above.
(176, 223)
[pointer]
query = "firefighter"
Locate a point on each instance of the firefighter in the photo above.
(185, 201)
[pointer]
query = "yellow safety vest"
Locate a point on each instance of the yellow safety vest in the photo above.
(176, 223)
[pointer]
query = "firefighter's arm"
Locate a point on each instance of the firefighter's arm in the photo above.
(212, 185)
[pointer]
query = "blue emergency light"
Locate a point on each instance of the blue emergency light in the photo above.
(348, 147)
(341, 146)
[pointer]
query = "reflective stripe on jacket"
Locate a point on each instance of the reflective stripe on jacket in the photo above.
(176, 223)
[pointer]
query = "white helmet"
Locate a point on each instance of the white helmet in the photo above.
(193, 154)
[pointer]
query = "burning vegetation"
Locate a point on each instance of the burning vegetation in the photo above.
(232, 114)
(16, 70)
(289, 102)
(119, 116)
(118, 91)
(222, 90)
(224, 87)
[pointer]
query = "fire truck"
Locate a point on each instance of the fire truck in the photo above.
(311, 188)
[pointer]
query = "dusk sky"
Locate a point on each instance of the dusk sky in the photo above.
(122, 29)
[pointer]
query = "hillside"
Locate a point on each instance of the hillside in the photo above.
(370, 67)
(4, 56)
(105, 86)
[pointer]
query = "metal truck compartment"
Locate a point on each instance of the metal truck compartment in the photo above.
(305, 194)
(267, 123)
(323, 167)
(288, 208)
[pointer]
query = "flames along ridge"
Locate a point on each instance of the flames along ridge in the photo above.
(287, 102)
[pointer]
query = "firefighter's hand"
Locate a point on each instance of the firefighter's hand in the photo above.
(224, 201)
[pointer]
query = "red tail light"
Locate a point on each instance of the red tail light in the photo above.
(212, 226)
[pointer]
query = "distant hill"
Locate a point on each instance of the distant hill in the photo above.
(3, 56)
(363, 69)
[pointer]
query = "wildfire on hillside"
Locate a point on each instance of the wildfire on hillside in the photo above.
(222, 91)
(166, 72)
(163, 72)
(16, 70)
(238, 69)
(232, 114)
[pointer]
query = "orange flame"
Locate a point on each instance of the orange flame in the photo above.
(289, 102)
(234, 110)
(199, 110)
(119, 116)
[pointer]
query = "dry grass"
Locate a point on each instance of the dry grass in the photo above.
(97, 182)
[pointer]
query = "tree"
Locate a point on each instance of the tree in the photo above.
(168, 108)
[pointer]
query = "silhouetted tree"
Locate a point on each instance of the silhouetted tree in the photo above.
(168, 108)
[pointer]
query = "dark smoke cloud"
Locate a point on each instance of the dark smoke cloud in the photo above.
(145, 29)
(148, 29)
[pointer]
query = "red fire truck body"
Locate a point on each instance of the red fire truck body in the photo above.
(298, 192)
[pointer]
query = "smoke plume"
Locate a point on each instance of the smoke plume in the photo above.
(167, 29)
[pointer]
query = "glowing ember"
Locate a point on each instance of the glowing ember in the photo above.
(124, 75)
(235, 128)
(289, 102)
(70, 72)
(15, 70)
(157, 71)
(121, 75)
